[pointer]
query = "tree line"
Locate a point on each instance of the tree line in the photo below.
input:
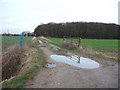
(90, 30)
(9, 34)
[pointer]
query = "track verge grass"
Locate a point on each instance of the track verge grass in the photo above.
(103, 48)
(36, 63)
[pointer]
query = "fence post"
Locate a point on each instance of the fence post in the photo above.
(78, 59)
(71, 40)
(79, 42)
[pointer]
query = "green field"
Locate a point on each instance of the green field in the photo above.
(11, 40)
(95, 44)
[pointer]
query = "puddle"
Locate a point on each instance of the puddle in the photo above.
(52, 65)
(81, 62)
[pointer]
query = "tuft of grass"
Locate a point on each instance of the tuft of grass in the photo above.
(15, 83)
(69, 46)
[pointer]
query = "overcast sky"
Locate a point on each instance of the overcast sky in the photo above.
(26, 15)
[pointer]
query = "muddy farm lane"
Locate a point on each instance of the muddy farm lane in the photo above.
(67, 76)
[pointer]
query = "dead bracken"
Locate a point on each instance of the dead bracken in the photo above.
(10, 62)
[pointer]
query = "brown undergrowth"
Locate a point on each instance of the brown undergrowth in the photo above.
(10, 62)
(105, 55)
(32, 59)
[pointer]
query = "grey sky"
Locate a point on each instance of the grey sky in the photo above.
(25, 15)
(119, 13)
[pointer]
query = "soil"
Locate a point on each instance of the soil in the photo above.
(66, 76)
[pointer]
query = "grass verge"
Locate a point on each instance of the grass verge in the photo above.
(37, 63)
(102, 45)
(107, 49)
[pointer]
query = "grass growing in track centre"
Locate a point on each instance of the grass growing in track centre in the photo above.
(104, 45)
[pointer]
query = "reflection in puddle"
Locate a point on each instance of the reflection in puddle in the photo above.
(81, 62)
(52, 65)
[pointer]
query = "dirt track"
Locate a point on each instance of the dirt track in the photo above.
(66, 76)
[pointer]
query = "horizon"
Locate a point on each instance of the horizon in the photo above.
(8, 31)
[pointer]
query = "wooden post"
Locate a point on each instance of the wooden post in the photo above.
(79, 42)
(63, 38)
(78, 59)
(71, 40)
